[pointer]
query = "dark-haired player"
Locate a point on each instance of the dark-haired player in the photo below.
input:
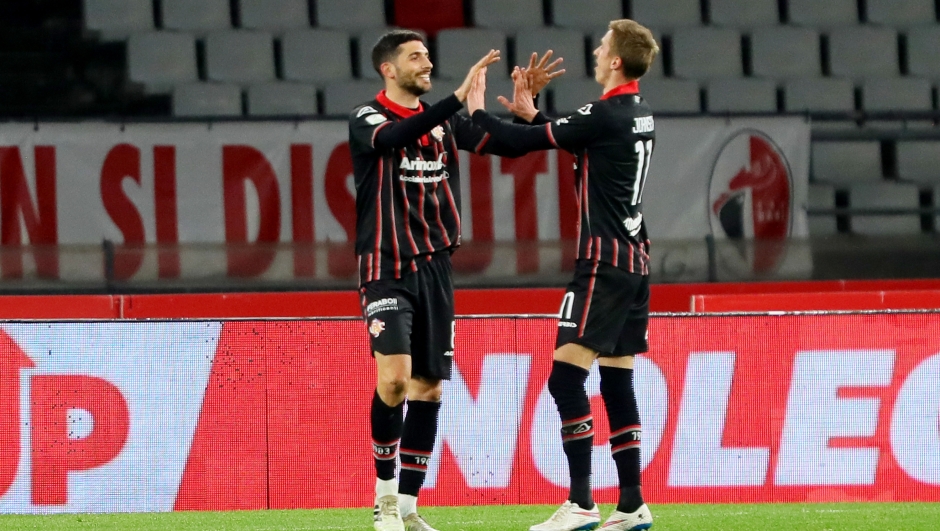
(604, 313)
(407, 225)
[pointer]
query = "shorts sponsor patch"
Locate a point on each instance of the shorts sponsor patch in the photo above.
(381, 305)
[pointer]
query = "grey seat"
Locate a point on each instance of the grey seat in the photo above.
(459, 48)
(161, 59)
(282, 99)
(572, 14)
(706, 53)
(117, 19)
(821, 196)
(316, 55)
(571, 96)
(350, 15)
(741, 95)
(274, 15)
(864, 52)
(340, 97)
(507, 16)
(785, 52)
(901, 13)
(923, 48)
(823, 14)
(819, 94)
(672, 95)
(239, 56)
(919, 160)
(667, 15)
(888, 195)
(846, 162)
(197, 16)
(207, 100)
(897, 94)
(568, 44)
(744, 14)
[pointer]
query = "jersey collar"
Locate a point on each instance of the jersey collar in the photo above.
(400, 110)
(633, 87)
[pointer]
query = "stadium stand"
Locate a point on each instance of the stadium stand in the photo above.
(569, 97)
(897, 94)
(207, 100)
(923, 46)
(273, 15)
(507, 16)
(885, 195)
(783, 52)
(744, 14)
(821, 196)
(823, 15)
(741, 95)
(568, 44)
(706, 53)
(862, 52)
(901, 13)
(161, 59)
(572, 14)
(459, 47)
(673, 95)
(919, 161)
(429, 16)
(332, 63)
(350, 15)
(846, 162)
(198, 16)
(667, 15)
(340, 97)
(118, 19)
(239, 56)
(818, 94)
(282, 99)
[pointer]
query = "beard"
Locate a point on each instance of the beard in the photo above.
(411, 84)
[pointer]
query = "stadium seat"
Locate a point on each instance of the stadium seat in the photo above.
(429, 16)
(274, 15)
(863, 52)
(744, 14)
(897, 94)
(207, 100)
(901, 13)
(672, 95)
(572, 14)
(282, 99)
(351, 15)
(568, 44)
(339, 97)
(784, 52)
(846, 162)
(823, 15)
(508, 16)
(239, 56)
(162, 59)
(741, 95)
(571, 96)
(117, 19)
(460, 48)
(706, 53)
(819, 94)
(196, 15)
(821, 196)
(885, 195)
(667, 15)
(316, 56)
(919, 161)
(923, 47)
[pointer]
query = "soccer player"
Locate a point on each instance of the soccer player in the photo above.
(604, 312)
(407, 225)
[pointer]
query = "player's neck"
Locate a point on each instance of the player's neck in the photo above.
(402, 97)
(615, 80)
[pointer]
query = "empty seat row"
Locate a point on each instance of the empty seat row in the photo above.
(861, 161)
(903, 199)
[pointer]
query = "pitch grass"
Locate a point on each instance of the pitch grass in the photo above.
(730, 517)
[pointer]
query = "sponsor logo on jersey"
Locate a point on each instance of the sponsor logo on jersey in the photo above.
(422, 165)
(381, 305)
(376, 327)
(751, 199)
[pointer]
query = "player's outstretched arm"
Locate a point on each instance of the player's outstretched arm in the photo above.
(523, 103)
(518, 138)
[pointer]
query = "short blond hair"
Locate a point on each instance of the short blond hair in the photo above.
(635, 45)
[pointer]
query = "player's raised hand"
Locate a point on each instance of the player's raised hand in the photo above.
(522, 104)
(487, 60)
(477, 94)
(540, 72)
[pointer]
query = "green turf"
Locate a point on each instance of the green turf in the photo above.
(757, 517)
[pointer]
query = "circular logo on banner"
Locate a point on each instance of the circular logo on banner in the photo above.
(750, 197)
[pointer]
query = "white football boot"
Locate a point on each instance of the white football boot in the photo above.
(413, 522)
(635, 521)
(387, 515)
(570, 517)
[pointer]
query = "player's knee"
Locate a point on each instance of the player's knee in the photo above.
(566, 382)
(393, 386)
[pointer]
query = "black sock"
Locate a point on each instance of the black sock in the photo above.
(386, 433)
(566, 385)
(417, 444)
(625, 431)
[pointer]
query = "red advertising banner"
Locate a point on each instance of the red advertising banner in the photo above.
(252, 414)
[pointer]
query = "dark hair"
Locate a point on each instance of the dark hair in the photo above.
(635, 46)
(386, 49)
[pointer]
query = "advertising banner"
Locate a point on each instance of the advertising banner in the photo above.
(252, 185)
(207, 415)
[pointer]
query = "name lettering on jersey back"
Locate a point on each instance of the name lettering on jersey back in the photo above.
(643, 124)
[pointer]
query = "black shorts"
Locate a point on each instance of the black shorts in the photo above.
(414, 315)
(605, 309)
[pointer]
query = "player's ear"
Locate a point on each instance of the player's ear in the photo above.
(616, 63)
(387, 69)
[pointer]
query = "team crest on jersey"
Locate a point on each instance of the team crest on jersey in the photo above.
(438, 133)
(586, 110)
(376, 327)
(364, 111)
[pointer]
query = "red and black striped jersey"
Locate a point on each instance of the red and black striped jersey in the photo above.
(407, 180)
(613, 140)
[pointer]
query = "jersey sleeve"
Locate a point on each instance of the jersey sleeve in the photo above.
(578, 130)
(365, 122)
(473, 138)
